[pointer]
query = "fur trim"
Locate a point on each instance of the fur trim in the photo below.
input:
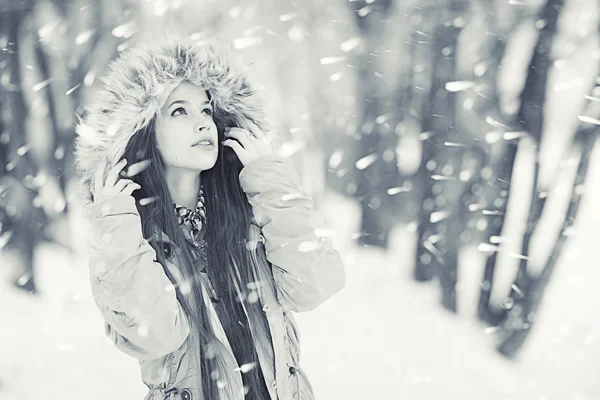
(137, 85)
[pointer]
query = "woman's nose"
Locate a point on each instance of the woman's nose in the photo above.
(201, 127)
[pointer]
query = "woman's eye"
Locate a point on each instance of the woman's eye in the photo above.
(176, 111)
(207, 111)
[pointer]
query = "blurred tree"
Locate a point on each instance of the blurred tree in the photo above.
(65, 45)
(530, 119)
(21, 221)
(526, 298)
(441, 219)
(481, 113)
(53, 50)
(374, 152)
(331, 89)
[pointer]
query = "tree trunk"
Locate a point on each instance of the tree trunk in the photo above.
(530, 116)
(21, 219)
(520, 325)
(440, 222)
(375, 169)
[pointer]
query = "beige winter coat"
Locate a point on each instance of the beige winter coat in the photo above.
(298, 269)
(144, 318)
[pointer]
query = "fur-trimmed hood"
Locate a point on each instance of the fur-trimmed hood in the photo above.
(137, 85)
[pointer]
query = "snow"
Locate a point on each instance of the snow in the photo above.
(386, 337)
(383, 336)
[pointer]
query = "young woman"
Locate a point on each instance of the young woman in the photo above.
(202, 240)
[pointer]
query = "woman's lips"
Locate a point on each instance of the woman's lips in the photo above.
(205, 144)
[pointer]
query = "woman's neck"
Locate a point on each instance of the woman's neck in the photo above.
(184, 186)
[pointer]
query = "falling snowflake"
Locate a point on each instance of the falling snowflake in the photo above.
(246, 42)
(458, 86)
(366, 161)
(350, 44)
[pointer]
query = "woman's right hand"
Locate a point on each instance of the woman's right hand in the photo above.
(114, 185)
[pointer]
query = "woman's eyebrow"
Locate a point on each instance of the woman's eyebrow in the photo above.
(178, 101)
(186, 102)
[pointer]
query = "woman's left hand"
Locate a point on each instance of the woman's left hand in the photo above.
(249, 145)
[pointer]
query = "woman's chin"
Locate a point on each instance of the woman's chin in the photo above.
(207, 164)
(197, 162)
(196, 166)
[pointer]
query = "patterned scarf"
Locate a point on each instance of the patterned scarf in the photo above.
(194, 220)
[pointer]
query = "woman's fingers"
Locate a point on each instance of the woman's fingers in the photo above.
(113, 175)
(240, 135)
(113, 185)
(130, 188)
(256, 130)
(249, 144)
(120, 185)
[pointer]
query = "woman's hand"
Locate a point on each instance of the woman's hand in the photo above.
(113, 185)
(249, 145)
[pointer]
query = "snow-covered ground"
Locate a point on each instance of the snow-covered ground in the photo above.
(382, 337)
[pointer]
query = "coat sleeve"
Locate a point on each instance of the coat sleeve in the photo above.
(134, 295)
(306, 268)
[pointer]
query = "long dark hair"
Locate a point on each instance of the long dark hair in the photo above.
(229, 260)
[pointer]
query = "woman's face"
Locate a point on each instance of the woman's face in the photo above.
(186, 134)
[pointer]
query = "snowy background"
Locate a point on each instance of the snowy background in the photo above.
(384, 336)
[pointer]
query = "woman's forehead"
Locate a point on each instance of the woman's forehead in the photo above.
(189, 92)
